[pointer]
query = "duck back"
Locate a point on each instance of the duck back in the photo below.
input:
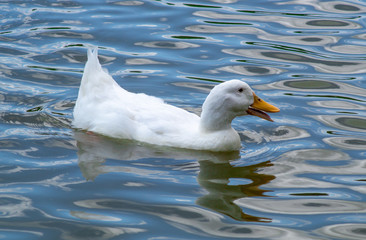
(106, 108)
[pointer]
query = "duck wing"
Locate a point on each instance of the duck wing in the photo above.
(106, 108)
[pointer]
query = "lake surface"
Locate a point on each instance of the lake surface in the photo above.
(301, 177)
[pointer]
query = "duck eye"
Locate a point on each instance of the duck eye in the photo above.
(240, 90)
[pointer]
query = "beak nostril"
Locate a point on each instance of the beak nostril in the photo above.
(263, 105)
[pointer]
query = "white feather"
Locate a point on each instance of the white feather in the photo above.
(106, 108)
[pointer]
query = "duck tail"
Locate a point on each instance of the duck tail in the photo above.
(91, 70)
(93, 62)
(94, 76)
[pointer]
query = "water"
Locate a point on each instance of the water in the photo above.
(301, 177)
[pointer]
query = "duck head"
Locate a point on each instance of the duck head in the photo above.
(229, 100)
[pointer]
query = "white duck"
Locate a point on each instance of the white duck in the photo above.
(104, 107)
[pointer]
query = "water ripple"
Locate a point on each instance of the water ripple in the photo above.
(300, 177)
(286, 21)
(352, 143)
(344, 231)
(321, 65)
(200, 221)
(14, 205)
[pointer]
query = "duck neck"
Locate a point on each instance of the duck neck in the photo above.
(212, 121)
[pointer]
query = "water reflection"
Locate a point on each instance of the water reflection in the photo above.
(351, 143)
(297, 56)
(281, 133)
(29, 119)
(223, 181)
(317, 40)
(337, 104)
(343, 122)
(347, 49)
(344, 231)
(331, 6)
(308, 206)
(217, 179)
(281, 18)
(14, 206)
(95, 149)
(312, 86)
(127, 3)
(348, 117)
(317, 173)
(194, 220)
(250, 70)
(167, 44)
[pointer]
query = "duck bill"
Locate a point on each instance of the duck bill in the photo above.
(259, 107)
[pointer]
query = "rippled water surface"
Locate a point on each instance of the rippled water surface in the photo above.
(300, 177)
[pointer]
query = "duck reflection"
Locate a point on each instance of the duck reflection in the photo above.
(217, 175)
(216, 179)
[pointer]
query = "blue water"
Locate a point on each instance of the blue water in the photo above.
(300, 177)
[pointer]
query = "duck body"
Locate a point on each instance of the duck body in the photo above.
(106, 108)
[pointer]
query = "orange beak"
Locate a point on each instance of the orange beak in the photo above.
(259, 107)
